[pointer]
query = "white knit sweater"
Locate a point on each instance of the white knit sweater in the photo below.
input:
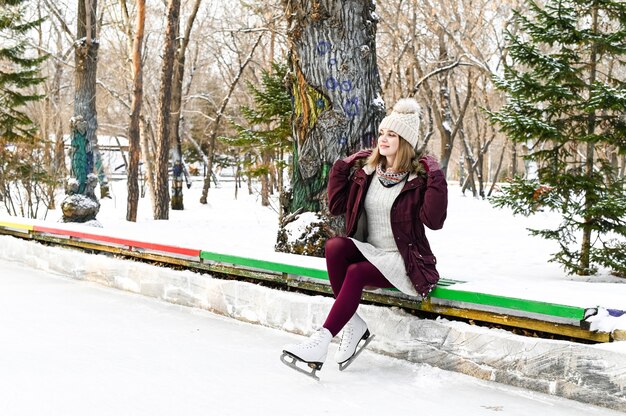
(381, 249)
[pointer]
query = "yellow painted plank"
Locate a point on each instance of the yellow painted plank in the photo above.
(16, 225)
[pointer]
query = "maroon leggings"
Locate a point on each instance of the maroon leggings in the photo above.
(349, 274)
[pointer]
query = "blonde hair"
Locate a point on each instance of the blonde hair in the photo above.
(404, 161)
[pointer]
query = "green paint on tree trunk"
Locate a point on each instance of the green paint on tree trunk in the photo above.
(80, 158)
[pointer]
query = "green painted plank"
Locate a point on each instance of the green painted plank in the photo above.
(442, 291)
(266, 265)
(525, 305)
(281, 267)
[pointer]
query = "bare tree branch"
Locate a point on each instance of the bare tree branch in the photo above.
(58, 16)
(113, 94)
(220, 114)
(439, 71)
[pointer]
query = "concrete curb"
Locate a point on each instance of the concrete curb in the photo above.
(580, 372)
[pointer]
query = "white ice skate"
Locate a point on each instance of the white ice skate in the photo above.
(354, 332)
(311, 352)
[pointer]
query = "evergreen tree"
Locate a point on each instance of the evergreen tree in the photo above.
(567, 100)
(22, 176)
(267, 133)
(18, 72)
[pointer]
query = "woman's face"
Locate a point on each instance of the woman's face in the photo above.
(388, 143)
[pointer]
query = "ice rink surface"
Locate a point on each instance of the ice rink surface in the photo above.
(73, 348)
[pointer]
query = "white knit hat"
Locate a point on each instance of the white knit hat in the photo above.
(404, 120)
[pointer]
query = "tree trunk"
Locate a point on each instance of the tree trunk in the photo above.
(134, 130)
(265, 180)
(272, 173)
(48, 155)
(56, 169)
(248, 159)
(480, 170)
(58, 163)
(459, 129)
(147, 152)
(162, 196)
(495, 176)
(177, 93)
(99, 169)
(265, 199)
(590, 194)
(445, 119)
(86, 61)
(279, 173)
(336, 89)
(470, 164)
(513, 159)
(174, 139)
(237, 174)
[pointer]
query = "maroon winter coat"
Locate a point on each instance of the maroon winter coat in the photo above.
(422, 201)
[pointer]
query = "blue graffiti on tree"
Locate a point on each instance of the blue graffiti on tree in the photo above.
(351, 107)
(332, 84)
(324, 47)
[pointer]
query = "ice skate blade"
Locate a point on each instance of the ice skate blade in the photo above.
(359, 350)
(286, 356)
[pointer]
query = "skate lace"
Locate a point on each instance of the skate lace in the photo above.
(347, 334)
(315, 340)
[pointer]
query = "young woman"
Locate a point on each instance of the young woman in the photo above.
(387, 196)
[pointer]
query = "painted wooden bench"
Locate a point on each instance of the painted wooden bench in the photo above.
(448, 299)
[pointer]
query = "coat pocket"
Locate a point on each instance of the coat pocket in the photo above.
(422, 271)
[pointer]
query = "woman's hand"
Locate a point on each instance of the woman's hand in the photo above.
(430, 163)
(358, 155)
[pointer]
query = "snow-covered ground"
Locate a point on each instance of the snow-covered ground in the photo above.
(488, 248)
(74, 348)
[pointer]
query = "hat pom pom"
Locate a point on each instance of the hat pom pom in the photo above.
(406, 106)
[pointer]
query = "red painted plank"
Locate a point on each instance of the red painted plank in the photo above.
(120, 241)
